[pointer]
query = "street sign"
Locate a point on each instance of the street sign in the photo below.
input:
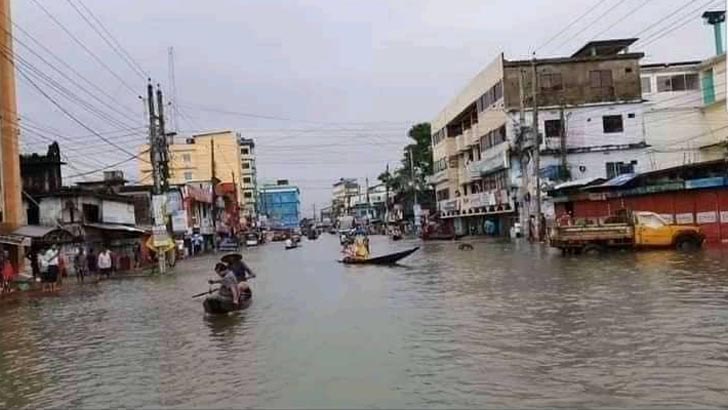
(160, 236)
(159, 205)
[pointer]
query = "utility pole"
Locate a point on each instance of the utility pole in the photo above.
(524, 211)
(386, 197)
(537, 148)
(415, 205)
(213, 182)
(314, 212)
(564, 174)
(158, 154)
(173, 89)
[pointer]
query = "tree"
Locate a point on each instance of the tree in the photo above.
(401, 181)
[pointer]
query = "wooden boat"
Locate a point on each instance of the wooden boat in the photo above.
(390, 259)
(215, 305)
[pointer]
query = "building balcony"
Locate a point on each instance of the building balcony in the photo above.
(437, 178)
(469, 138)
(480, 204)
(460, 143)
(493, 160)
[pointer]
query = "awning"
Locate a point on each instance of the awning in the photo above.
(15, 240)
(615, 182)
(115, 227)
(577, 183)
(34, 231)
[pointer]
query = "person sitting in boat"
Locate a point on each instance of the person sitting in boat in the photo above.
(229, 283)
(361, 247)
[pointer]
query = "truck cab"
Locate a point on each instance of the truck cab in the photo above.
(651, 230)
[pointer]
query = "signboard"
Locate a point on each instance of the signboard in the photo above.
(159, 208)
(179, 221)
(724, 217)
(417, 209)
(450, 205)
(174, 201)
(160, 237)
(684, 219)
(707, 217)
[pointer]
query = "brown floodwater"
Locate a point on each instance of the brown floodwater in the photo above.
(507, 325)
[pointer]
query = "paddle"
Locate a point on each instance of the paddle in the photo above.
(204, 293)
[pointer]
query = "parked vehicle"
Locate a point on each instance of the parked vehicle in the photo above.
(251, 239)
(629, 230)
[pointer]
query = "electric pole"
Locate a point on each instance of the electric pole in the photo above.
(415, 205)
(386, 196)
(564, 174)
(160, 173)
(524, 210)
(537, 148)
(213, 182)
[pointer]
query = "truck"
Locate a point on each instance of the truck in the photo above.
(639, 229)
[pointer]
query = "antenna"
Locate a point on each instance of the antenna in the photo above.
(174, 123)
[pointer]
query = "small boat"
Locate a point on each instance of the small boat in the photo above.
(396, 236)
(390, 259)
(291, 244)
(215, 305)
(289, 247)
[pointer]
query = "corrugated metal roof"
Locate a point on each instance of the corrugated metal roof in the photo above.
(617, 181)
(114, 227)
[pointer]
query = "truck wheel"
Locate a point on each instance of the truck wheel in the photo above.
(592, 250)
(687, 244)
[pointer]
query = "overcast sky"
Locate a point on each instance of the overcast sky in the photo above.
(327, 88)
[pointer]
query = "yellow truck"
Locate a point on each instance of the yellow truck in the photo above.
(629, 230)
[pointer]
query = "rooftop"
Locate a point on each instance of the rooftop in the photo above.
(604, 47)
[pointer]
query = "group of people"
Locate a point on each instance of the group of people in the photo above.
(233, 280)
(358, 247)
(52, 267)
(7, 272)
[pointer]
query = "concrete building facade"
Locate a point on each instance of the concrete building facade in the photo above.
(248, 178)
(280, 205)
(590, 124)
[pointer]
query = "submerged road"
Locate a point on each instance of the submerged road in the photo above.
(506, 325)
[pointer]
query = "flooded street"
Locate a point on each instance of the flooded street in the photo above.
(504, 325)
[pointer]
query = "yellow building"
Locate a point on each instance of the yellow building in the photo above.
(191, 160)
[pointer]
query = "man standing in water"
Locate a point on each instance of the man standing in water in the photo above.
(104, 263)
(51, 259)
(80, 264)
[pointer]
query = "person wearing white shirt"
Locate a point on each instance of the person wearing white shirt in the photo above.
(104, 263)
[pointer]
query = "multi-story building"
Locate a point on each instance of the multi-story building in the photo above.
(341, 195)
(192, 159)
(590, 123)
(248, 177)
(279, 204)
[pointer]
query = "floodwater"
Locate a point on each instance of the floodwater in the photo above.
(506, 325)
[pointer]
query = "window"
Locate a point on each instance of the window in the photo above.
(678, 82)
(494, 94)
(646, 85)
(708, 87)
(493, 138)
(440, 165)
(618, 168)
(186, 158)
(600, 78)
(631, 115)
(246, 165)
(553, 128)
(612, 124)
(651, 221)
(438, 137)
(247, 180)
(551, 82)
(247, 195)
(188, 176)
(90, 213)
(443, 194)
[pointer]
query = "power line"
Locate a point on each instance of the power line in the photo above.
(590, 25)
(82, 45)
(570, 25)
(629, 13)
(125, 54)
(677, 25)
(67, 113)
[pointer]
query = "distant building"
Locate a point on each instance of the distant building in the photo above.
(191, 160)
(341, 195)
(42, 173)
(248, 179)
(280, 204)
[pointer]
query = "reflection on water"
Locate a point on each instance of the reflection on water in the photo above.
(504, 325)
